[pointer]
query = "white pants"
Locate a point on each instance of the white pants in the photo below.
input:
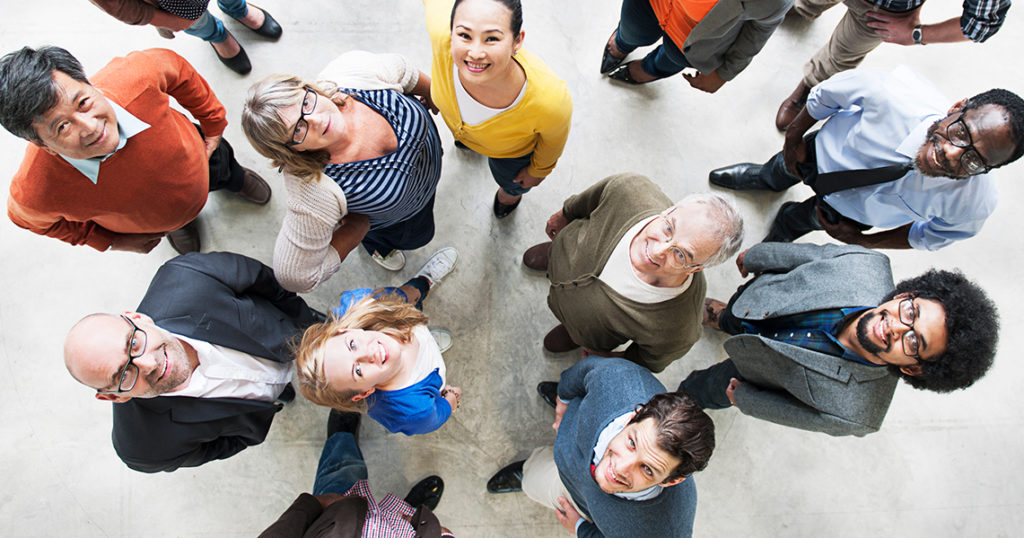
(541, 481)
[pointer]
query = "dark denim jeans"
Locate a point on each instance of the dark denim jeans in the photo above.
(341, 465)
(638, 27)
(405, 235)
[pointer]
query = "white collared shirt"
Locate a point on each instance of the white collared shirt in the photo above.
(127, 127)
(228, 373)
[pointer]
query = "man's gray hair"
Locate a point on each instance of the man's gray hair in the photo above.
(728, 224)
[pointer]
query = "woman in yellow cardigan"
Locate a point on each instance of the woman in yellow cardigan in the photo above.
(497, 98)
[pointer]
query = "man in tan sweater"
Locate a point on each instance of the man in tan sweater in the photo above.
(625, 267)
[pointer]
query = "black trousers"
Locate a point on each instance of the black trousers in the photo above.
(225, 172)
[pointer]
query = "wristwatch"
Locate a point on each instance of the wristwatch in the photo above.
(916, 35)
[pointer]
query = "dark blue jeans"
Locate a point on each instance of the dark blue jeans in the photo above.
(341, 465)
(405, 235)
(505, 170)
(638, 27)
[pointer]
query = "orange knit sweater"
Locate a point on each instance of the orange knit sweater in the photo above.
(157, 182)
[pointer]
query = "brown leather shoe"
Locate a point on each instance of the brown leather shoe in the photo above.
(558, 340)
(185, 239)
(254, 188)
(536, 257)
(789, 108)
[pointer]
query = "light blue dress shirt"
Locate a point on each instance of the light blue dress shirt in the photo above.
(879, 119)
(127, 127)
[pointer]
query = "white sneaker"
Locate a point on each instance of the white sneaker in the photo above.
(394, 261)
(439, 265)
(442, 337)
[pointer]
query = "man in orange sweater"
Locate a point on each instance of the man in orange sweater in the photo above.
(112, 166)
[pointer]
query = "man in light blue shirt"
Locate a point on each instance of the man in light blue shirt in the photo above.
(893, 155)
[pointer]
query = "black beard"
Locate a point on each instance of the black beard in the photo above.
(862, 336)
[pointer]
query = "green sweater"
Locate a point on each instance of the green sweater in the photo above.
(596, 316)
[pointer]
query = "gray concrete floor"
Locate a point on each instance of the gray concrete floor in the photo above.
(942, 465)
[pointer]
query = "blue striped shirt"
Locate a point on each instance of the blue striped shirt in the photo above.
(394, 187)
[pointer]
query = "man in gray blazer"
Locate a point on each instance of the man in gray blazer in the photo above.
(813, 351)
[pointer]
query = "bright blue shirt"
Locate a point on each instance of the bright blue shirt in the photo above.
(127, 127)
(880, 119)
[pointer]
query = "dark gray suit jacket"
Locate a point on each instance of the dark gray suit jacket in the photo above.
(798, 387)
(225, 299)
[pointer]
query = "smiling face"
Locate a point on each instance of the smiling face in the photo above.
(96, 352)
(81, 125)
(879, 333)
(673, 245)
(483, 41)
(988, 129)
(634, 462)
(360, 361)
(327, 125)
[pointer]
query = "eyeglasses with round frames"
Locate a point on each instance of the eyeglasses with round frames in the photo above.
(679, 258)
(302, 126)
(908, 315)
(136, 346)
(960, 136)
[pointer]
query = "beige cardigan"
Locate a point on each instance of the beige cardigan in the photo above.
(303, 256)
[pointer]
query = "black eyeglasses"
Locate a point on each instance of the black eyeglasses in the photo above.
(129, 374)
(302, 126)
(911, 345)
(971, 161)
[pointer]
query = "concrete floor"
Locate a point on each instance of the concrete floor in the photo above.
(942, 465)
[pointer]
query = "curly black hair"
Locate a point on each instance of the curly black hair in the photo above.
(972, 328)
(1013, 107)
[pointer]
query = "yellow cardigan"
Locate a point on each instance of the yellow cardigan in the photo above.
(538, 124)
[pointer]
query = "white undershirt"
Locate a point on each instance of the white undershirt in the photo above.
(471, 110)
(619, 275)
(429, 358)
(228, 373)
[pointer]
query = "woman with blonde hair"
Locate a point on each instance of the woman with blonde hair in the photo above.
(497, 98)
(378, 147)
(376, 355)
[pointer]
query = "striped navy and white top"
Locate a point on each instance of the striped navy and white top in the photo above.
(394, 187)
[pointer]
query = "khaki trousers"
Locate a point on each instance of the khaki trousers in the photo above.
(541, 482)
(849, 43)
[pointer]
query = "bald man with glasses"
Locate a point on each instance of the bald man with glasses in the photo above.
(894, 155)
(198, 370)
(821, 336)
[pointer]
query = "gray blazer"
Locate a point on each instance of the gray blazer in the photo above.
(732, 33)
(794, 386)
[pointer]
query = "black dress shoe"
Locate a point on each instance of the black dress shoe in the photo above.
(548, 390)
(508, 479)
(426, 492)
(269, 29)
(739, 177)
(238, 63)
(609, 61)
(501, 210)
(287, 395)
(185, 239)
(340, 421)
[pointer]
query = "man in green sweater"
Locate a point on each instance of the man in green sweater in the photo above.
(625, 267)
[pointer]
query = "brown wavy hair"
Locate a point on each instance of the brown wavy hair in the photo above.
(388, 313)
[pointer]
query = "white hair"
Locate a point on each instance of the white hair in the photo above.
(728, 225)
